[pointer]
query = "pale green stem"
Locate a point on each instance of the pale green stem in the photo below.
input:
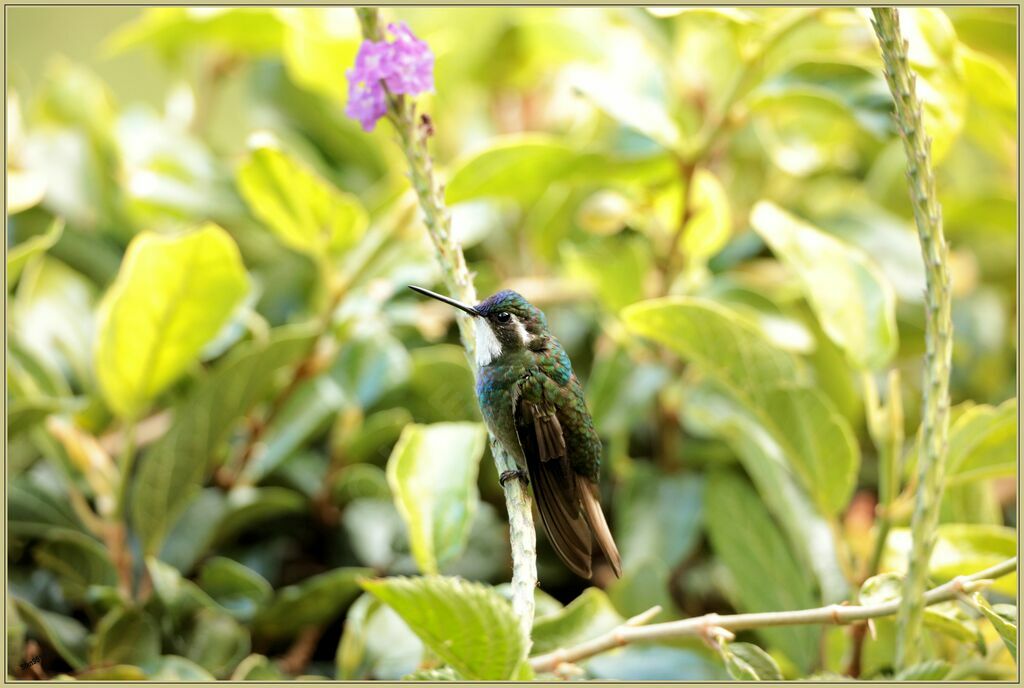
(713, 626)
(938, 331)
(413, 136)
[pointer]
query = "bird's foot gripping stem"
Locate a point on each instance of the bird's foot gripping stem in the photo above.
(509, 475)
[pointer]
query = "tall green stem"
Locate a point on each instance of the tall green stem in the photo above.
(413, 135)
(938, 330)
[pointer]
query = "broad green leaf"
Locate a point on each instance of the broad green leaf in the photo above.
(766, 575)
(854, 302)
(614, 267)
(710, 223)
(234, 586)
(373, 439)
(586, 617)
(376, 643)
(179, 597)
(516, 167)
(18, 256)
(648, 662)
(440, 674)
(806, 130)
(644, 584)
(1003, 621)
(22, 414)
(125, 636)
(216, 642)
(306, 213)
(170, 31)
(722, 344)
(318, 41)
(172, 470)
(443, 384)
(359, 481)
(249, 506)
(189, 538)
(67, 636)
(78, 560)
(175, 668)
(256, 668)
(316, 600)
(933, 670)
(468, 625)
(960, 550)
(623, 101)
(172, 295)
(116, 672)
(817, 441)
(35, 512)
(433, 474)
(675, 502)
(983, 443)
(747, 662)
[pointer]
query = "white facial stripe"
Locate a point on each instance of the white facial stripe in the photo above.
(524, 336)
(488, 347)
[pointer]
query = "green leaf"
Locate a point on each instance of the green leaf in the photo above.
(117, 672)
(173, 469)
(376, 643)
(443, 384)
(766, 575)
(256, 668)
(359, 481)
(852, 299)
(172, 30)
(318, 41)
(960, 550)
(710, 224)
(307, 213)
(65, 635)
(817, 441)
(172, 295)
(125, 636)
(1004, 623)
(180, 598)
(22, 414)
(175, 668)
(235, 587)
(440, 674)
(806, 129)
(79, 561)
(675, 502)
(517, 167)
(35, 512)
(373, 439)
(216, 642)
(249, 506)
(747, 662)
(433, 473)
(18, 256)
(314, 601)
(586, 617)
(623, 101)
(983, 443)
(614, 267)
(468, 625)
(933, 670)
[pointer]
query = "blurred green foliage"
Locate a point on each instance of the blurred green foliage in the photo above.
(226, 415)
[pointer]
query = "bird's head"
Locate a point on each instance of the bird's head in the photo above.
(505, 323)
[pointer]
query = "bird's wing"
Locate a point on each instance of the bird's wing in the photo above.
(554, 482)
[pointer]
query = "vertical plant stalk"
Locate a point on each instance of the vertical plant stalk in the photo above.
(413, 136)
(938, 330)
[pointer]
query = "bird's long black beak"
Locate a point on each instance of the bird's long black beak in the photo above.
(450, 301)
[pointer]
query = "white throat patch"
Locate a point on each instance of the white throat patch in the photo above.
(488, 347)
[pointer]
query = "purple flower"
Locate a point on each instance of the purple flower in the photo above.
(404, 65)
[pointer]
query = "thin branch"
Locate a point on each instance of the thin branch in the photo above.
(931, 468)
(706, 626)
(413, 136)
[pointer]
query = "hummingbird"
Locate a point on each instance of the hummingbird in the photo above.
(533, 404)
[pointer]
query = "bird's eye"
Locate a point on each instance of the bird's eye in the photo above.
(503, 317)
